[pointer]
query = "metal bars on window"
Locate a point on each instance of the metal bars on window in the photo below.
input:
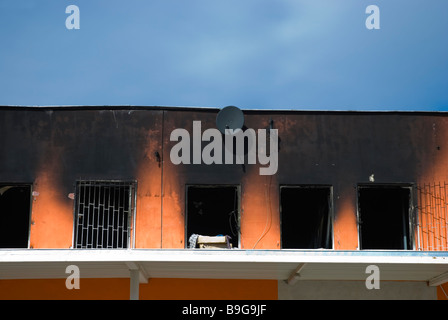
(432, 225)
(103, 214)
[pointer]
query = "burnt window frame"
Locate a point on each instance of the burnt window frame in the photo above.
(30, 186)
(132, 184)
(213, 185)
(330, 211)
(412, 213)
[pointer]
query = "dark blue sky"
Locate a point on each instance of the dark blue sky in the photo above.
(277, 54)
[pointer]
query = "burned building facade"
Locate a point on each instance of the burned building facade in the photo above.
(96, 187)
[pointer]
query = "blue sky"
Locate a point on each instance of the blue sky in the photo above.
(255, 54)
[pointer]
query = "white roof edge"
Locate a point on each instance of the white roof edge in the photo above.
(267, 109)
(228, 256)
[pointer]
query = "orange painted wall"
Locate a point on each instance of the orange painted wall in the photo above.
(54, 289)
(260, 216)
(173, 180)
(155, 289)
(345, 229)
(260, 212)
(51, 214)
(147, 229)
(442, 292)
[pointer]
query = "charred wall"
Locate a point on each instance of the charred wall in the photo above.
(52, 148)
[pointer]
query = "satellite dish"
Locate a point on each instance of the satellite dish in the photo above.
(229, 117)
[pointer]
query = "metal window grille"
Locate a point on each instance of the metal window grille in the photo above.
(104, 211)
(432, 224)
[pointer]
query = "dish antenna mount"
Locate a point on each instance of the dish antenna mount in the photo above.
(229, 117)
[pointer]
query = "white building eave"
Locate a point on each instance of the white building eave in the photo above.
(292, 265)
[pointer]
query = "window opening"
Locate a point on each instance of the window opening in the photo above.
(213, 210)
(384, 217)
(15, 208)
(103, 214)
(306, 217)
